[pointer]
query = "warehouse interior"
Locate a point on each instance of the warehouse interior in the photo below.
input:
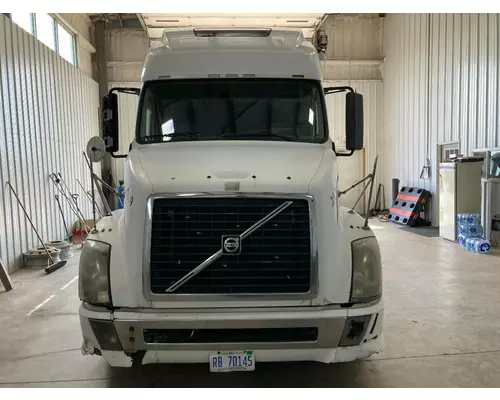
(430, 84)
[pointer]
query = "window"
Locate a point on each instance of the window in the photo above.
(45, 30)
(24, 20)
(225, 109)
(50, 32)
(65, 44)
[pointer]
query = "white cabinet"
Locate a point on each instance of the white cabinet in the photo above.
(459, 192)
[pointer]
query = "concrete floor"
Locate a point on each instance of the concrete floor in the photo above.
(441, 330)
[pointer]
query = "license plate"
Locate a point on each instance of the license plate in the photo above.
(228, 361)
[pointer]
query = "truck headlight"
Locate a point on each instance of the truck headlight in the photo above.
(366, 270)
(93, 280)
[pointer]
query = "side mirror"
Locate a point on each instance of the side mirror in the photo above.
(110, 122)
(354, 121)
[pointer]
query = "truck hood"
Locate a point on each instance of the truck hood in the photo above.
(235, 166)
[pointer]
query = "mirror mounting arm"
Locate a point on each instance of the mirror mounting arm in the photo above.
(341, 154)
(118, 155)
(338, 89)
(127, 90)
(345, 154)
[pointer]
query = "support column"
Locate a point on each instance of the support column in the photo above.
(102, 79)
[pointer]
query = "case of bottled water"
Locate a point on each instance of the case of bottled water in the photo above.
(470, 230)
(470, 233)
(477, 245)
(461, 239)
(469, 219)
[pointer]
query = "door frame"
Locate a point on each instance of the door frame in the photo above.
(439, 160)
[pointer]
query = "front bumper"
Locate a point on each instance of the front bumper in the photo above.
(342, 334)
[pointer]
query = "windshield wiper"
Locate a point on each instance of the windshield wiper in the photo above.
(236, 136)
(190, 135)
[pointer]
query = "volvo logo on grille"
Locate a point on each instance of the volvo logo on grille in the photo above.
(231, 245)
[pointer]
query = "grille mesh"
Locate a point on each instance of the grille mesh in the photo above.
(274, 259)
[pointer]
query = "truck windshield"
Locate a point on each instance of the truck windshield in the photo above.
(232, 109)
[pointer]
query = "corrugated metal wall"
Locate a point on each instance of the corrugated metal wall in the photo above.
(404, 141)
(50, 109)
(442, 80)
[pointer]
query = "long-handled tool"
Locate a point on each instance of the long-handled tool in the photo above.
(62, 216)
(70, 200)
(74, 197)
(378, 203)
(55, 265)
(95, 186)
(59, 181)
(4, 277)
(90, 198)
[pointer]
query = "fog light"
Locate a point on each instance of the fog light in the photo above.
(354, 330)
(105, 334)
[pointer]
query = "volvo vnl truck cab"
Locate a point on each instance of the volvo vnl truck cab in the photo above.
(231, 248)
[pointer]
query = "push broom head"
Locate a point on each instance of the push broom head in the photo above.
(55, 266)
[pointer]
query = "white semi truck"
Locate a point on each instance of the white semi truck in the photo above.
(231, 248)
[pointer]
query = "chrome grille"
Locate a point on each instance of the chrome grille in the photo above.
(274, 259)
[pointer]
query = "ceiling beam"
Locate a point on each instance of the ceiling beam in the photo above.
(321, 22)
(143, 24)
